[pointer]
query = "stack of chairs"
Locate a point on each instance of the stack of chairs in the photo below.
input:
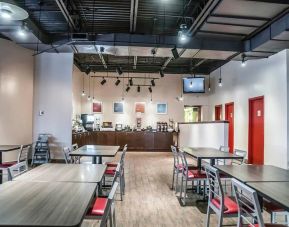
(41, 151)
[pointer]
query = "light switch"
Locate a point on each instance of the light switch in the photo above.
(259, 113)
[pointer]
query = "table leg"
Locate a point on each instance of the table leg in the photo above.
(212, 162)
(199, 163)
(99, 160)
(94, 160)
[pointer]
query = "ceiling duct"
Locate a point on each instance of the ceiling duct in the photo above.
(79, 37)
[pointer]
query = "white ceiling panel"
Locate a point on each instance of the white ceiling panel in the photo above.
(227, 28)
(212, 54)
(249, 8)
(236, 21)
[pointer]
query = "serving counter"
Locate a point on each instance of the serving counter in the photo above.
(136, 141)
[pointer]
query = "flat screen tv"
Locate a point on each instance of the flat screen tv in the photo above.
(194, 85)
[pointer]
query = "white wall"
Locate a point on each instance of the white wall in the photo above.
(53, 95)
(166, 90)
(16, 95)
(76, 91)
(266, 77)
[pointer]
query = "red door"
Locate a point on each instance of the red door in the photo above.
(229, 116)
(218, 112)
(256, 130)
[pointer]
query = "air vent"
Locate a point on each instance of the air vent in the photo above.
(79, 36)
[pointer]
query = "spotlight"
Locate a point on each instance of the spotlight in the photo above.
(175, 53)
(138, 88)
(243, 60)
(183, 37)
(153, 83)
(162, 73)
(127, 89)
(130, 82)
(103, 81)
(83, 93)
(117, 82)
(220, 82)
(118, 70)
(87, 70)
(6, 14)
(150, 89)
(22, 32)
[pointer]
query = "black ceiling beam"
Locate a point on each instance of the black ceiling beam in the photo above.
(133, 15)
(66, 14)
(116, 39)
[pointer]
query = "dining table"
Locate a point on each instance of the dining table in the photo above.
(208, 153)
(45, 204)
(56, 172)
(97, 152)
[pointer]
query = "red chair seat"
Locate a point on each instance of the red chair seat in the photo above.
(230, 206)
(270, 225)
(271, 207)
(99, 206)
(110, 170)
(196, 174)
(7, 164)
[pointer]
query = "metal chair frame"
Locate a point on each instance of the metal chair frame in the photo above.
(17, 170)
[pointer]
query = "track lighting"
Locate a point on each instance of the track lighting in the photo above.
(162, 73)
(118, 70)
(130, 82)
(175, 53)
(153, 83)
(243, 60)
(117, 82)
(127, 89)
(22, 32)
(103, 81)
(150, 89)
(138, 88)
(87, 70)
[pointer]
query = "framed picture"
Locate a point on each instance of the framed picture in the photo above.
(97, 107)
(118, 107)
(162, 108)
(140, 107)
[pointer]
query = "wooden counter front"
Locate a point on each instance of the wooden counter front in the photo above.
(136, 141)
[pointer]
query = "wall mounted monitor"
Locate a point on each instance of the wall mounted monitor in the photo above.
(194, 85)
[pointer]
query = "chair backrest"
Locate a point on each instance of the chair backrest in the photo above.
(74, 146)
(240, 153)
(183, 159)
(66, 155)
(23, 154)
(249, 212)
(224, 148)
(17, 169)
(215, 186)
(176, 155)
(110, 203)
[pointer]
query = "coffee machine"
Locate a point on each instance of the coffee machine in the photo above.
(87, 121)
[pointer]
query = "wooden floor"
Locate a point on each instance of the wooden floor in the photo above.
(149, 201)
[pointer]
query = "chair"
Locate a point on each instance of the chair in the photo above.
(223, 149)
(177, 167)
(22, 156)
(114, 164)
(274, 209)
(241, 153)
(42, 150)
(222, 205)
(249, 210)
(17, 169)
(76, 159)
(194, 175)
(66, 151)
(103, 208)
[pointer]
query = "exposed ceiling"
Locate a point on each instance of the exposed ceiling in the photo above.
(138, 35)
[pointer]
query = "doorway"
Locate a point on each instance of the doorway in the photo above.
(218, 112)
(229, 116)
(256, 131)
(192, 113)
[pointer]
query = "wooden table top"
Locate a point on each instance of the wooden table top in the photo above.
(276, 191)
(52, 172)
(255, 173)
(96, 150)
(5, 148)
(44, 203)
(209, 153)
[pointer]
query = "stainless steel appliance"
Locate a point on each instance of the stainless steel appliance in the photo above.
(118, 127)
(87, 121)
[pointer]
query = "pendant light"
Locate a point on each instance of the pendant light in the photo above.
(83, 92)
(209, 87)
(243, 60)
(220, 78)
(88, 97)
(93, 84)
